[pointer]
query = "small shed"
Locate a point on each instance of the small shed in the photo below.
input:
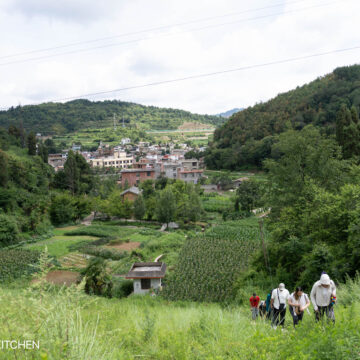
(146, 276)
(131, 194)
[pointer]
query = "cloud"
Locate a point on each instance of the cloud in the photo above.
(174, 52)
(82, 11)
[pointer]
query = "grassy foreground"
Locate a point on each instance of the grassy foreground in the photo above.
(71, 325)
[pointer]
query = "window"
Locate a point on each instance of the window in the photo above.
(148, 173)
(137, 174)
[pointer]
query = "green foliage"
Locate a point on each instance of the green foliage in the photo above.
(209, 264)
(31, 143)
(4, 174)
(66, 209)
(58, 118)
(139, 208)
(17, 263)
(97, 280)
(249, 195)
(247, 137)
(122, 288)
(165, 206)
(9, 232)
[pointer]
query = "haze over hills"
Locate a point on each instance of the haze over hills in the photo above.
(246, 138)
(61, 118)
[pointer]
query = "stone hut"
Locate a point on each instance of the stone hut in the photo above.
(146, 276)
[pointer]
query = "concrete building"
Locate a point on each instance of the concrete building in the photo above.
(193, 176)
(57, 161)
(119, 160)
(146, 276)
(133, 177)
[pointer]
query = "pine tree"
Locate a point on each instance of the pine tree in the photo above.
(31, 142)
(4, 173)
(72, 174)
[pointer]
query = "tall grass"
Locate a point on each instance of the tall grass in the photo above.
(70, 325)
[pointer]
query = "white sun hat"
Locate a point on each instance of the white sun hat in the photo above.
(325, 279)
(282, 286)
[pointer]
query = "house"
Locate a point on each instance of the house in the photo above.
(125, 141)
(130, 194)
(146, 276)
(190, 164)
(136, 176)
(193, 176)
(57, 161)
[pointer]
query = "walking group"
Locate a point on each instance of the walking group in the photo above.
(322, 296)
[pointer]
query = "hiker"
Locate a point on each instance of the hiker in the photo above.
(254, 304)
(323, 297)
(262, 309)
(279, 297)
(298, 303)
(268, 306)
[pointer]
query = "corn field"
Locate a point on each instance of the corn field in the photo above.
(209, 264)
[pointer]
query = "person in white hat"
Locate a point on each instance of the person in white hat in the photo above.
(322, 296)
(279, 298)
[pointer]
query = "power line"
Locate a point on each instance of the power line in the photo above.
(165, 35)
(198, 76)
(148, 30)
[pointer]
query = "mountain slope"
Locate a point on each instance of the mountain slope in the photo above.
(246, 138)
(227, 114)
(56, 118)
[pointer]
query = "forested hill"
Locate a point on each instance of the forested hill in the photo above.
(246, 138)
(57, 118)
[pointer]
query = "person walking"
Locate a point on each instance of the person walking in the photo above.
(279, 297)
(268, 306)
(323, 298)
(298, 303)
(254, 304)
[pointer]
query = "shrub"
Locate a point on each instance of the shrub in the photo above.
(16, 263)
(97, 280)
(122, 288)
(9, 232)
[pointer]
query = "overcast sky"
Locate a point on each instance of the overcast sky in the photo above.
(237, 33)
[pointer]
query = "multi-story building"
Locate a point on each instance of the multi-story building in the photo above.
(119, 160)
(193, 176)
(133, 177)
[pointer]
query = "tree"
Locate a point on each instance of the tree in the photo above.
(62, 210)
(43, 152)
(139, 208)
(72, 173)
(165, 206)
(248, 195)
(4, 173)
(31, 142)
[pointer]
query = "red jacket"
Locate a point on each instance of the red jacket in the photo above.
(254, 301)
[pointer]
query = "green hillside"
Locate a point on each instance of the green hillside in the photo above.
(58, 118)
(247, 137)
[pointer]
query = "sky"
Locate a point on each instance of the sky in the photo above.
(53, 50)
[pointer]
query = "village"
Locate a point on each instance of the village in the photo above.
(138, 162)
